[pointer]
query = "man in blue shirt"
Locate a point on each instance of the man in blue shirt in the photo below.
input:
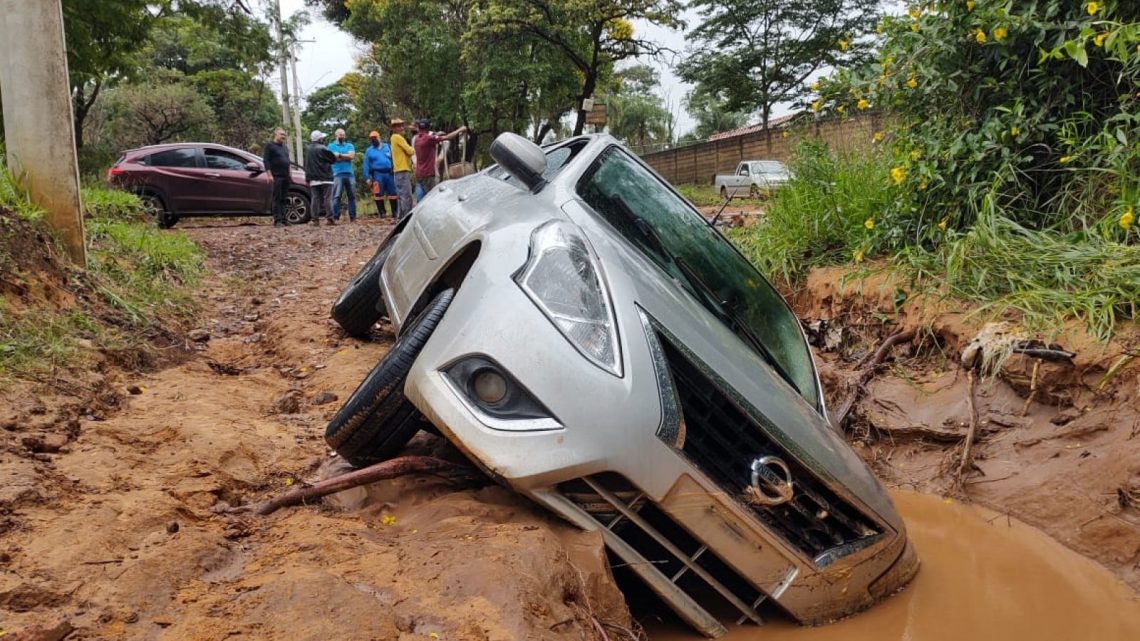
(344, 177)
(378, 174)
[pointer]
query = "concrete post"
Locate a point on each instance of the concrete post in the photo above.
(38, 123)
(283, 65)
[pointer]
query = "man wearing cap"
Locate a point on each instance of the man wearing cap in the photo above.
(402, 154)
(378, 174)
(344, 176)
(319, 174)
(425, 146)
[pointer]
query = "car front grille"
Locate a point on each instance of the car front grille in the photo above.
(662, 546)
(722, 441)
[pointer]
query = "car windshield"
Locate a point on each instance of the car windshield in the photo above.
(674, 236)
(558, 155)
(769, 167)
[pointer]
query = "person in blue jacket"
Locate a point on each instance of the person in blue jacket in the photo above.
(344, 176)
(378, 174)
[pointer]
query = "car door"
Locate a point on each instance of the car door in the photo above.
(742, 180)
(229, 187)
(176, 174)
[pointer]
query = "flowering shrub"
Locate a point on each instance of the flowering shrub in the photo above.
(1028, 111)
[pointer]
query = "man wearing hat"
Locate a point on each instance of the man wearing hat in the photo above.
(378, 174)
(318, 172)
(402, 154)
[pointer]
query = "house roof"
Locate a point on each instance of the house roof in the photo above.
(773, 123)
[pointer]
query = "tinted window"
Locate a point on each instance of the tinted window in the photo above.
(556, 158)
(174, 158)
(218, 159)
(671, 234)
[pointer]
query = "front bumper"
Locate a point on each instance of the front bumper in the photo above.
(601, 464)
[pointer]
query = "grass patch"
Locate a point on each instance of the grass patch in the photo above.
(112, 204)
(707, 196)
(41, 341)
(14, 197)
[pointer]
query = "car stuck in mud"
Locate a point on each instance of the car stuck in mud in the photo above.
(584, 336)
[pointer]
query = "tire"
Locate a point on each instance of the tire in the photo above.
(297, 208)
(360, 305)
(754, 192)
(377, 421)
(156, 209)
(724, 192)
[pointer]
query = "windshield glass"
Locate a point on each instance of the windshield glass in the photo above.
(671, 234)
(769, 167)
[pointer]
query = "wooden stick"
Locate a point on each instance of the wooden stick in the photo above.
(965, 463)
(1032, 387)
(867, 374)
(400, 466)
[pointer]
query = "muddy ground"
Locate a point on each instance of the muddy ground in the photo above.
(114, 481)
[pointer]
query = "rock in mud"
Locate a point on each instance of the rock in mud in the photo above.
(324, 398)
(199, 335)
(287, 403)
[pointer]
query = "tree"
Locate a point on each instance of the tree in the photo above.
(758, 53)
(328, 108)
(711, 113)
(163, 111)
(592, 35)
(637, 114)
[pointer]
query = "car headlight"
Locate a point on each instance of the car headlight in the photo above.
(562, 277)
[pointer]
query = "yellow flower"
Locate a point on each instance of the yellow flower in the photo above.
(857, 255)
(869, 224)
(1065, 159)
(914, 26)
(879, 28)
(816, 86)
(898, 174)
(1099, 39)
(942, 224)
(817, 105)
(970, 4)
(914, 155)
(1000, 33)
(911, 83)
(1094, 8)
(862, 104)
(840, 109)
(843, 45)
(1127, 219)
(878, 137)
(1014, 131)
(388, 519)
(784, 134)
(922, 186)
(980, 36)
(915, 11)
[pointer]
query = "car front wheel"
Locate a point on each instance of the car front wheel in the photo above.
(377, 421)
(361, 304)
(297, 208)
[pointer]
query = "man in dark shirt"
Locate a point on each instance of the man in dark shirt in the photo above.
(425, 146)
(319, 174)
(276, 158)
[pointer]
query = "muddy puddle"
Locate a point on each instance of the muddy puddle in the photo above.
(983, 577)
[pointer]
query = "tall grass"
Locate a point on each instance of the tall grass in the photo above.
(820, 217)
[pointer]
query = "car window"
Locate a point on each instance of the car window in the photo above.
(772, 167)
(687, 248)
(218, 159)
(187, 157)
(743, 170)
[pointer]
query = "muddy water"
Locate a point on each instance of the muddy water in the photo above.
(983, 577)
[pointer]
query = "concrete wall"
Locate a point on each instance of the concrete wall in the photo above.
(700, 162)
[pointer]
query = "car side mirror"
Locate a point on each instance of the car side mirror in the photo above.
(521, 158)
(253, 167)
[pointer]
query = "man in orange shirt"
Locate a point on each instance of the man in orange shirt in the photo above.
(402, 154)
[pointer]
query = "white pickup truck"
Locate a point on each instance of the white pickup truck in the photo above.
(754, 178)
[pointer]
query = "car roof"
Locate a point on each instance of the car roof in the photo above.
(179, 145)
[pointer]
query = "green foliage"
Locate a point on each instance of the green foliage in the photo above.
(822, 216)
(700, 195)
(636, 113)
(757, 53)
(14, 197)
(112, 204)
(1038, 119)
(165, 109)
(41, 341)
(711, 113)
(328, 108)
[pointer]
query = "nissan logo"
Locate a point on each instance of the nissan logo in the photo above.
(772, 481)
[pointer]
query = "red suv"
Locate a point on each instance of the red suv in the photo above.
(179, 180)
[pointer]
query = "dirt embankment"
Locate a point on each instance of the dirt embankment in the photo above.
(114, 528)
(1058, 442)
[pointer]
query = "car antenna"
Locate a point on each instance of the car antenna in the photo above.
(727, 199)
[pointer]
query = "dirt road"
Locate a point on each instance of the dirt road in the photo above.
(117, 532)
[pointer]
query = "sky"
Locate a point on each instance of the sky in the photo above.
(331, 54)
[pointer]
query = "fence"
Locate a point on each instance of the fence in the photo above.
(698, 163)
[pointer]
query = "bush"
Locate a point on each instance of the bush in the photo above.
(822, 216)
(112, 204)
(1026, 109)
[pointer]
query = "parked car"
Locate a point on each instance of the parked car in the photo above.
(753, 177)
(181, 180)
(582, 334)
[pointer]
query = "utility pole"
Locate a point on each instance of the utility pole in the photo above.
(38, 123)
(297, 109)
(283, 65)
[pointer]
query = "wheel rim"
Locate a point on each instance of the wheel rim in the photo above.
(753, 191)
(152, 207)
(295, 209)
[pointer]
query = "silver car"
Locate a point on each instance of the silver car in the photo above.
(582, 334)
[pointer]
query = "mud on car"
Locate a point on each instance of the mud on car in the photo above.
(582, 334)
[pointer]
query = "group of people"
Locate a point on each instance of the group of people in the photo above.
(388, 168)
